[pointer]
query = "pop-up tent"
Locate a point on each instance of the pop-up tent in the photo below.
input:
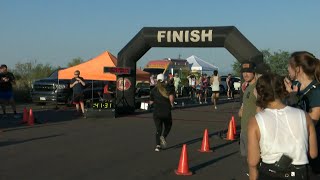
(198, 64)
(93, 69)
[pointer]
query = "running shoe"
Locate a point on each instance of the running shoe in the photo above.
(158, 148)
(163, 142)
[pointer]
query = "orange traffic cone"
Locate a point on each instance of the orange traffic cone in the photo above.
(205, 147)
(234, 125)
(31, 118)
(230, 135)
(25, 116)
(183, 168)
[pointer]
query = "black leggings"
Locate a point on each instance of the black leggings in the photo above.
(159, 122)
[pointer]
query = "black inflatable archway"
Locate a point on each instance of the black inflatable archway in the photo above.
(228, 37)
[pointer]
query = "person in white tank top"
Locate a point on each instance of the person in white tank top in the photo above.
(279, 130)
(215, 87)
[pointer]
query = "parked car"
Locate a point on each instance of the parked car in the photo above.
(236, 84)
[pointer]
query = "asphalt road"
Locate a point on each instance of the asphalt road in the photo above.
(65, 148)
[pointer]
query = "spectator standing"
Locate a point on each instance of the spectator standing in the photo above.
(152, 81)
(192, 85)
(177, 82)
(304, 68)
(77, 84)
(205, 84)
(248, 108)
(7, 79)
(279, 132)
(229, 83)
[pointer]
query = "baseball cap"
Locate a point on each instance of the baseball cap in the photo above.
(248, 67)
(160, 77)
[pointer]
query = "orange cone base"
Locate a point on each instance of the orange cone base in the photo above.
(207, 151)
(229, 139)
(183, 174)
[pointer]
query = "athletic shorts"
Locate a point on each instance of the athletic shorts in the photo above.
(6, 95)
(77, 98)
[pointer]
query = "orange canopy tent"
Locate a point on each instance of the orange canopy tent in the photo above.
(93, 69)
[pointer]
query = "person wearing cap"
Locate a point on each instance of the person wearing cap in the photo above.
(248, 107)
(160, 98)
(6, 90)
(250, 73)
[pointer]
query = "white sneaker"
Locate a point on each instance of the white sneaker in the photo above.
(215, 107)
(163, 142)
(157, 149)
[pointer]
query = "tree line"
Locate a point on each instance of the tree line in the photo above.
(277, 60)
(26, 73)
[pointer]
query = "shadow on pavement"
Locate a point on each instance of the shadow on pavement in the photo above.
(41, 117)
(8, 143)
(218, 133)
(203, 165)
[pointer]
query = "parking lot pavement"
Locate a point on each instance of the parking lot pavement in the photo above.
(121, 148)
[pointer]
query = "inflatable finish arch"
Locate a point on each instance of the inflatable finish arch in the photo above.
(228, 37)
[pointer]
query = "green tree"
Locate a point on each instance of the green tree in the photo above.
(26, 73)
(277, 61)
(75, 61)
(236, 66)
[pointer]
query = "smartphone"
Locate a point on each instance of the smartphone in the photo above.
(284, 162)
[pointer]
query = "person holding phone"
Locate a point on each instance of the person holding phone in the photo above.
(77, 84)
(303, 85)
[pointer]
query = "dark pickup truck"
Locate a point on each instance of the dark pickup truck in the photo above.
(52, 90)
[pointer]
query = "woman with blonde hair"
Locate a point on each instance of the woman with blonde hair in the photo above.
(162, 100)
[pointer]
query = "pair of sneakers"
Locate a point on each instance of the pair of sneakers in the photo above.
(163, 144)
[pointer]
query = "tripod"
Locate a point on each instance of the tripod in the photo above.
(123, 100)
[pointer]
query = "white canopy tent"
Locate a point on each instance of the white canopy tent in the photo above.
(198, 64)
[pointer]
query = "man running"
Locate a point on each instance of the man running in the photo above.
(77, 84)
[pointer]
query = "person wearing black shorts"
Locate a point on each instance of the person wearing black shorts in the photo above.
(77, 84)
(160, 98)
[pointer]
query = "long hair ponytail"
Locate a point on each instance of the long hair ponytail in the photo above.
(162, 89)
(308, 62)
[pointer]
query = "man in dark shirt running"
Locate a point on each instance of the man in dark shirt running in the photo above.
(6, 90)
(77, 84)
